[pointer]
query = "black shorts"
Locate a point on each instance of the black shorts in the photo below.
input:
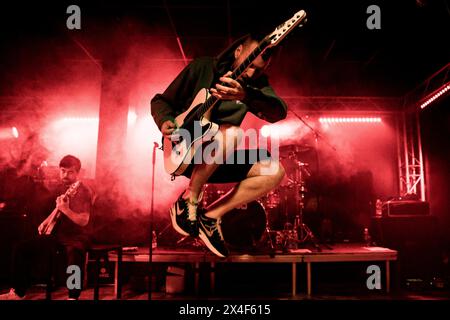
(234, 171)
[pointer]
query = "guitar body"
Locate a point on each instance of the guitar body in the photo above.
(178, 153)
(53, 217)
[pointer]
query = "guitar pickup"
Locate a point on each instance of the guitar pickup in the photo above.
(176, 138)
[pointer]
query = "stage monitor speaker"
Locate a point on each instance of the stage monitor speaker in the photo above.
(416, 240)
(406, 208)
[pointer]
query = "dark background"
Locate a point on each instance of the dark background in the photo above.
(335, 54)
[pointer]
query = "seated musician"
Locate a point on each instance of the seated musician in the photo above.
(64, 230)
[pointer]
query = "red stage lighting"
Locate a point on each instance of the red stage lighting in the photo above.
(332, 120)
(435, 95)
(73, 135)
(15, 132)
(9, 133)
(132, 117)
(282, 130)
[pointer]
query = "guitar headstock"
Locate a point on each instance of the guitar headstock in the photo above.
(283, 29)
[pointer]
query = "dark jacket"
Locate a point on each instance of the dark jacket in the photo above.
(204, 72)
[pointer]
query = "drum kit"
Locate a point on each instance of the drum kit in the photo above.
(274, 221)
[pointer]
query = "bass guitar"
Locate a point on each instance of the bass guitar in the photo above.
(54, 216)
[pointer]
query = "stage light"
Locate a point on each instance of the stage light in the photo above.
(132, 117)
(7, 133)
(281, 130)
(332, 120)
(15, 132)
(265, 131)
(431, 98)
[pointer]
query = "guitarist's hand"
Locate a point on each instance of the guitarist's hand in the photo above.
(232, 91)
(167, 128)
(62, 204)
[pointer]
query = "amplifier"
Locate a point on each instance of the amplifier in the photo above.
(415, 238)
(394, 208)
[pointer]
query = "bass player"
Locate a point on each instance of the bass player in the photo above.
(64, 230)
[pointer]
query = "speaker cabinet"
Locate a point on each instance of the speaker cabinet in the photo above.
(416, 240)
(405, 208)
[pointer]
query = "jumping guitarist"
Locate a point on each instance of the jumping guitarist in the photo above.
(235, 84)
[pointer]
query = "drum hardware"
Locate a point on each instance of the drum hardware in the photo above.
(304, 233)
(288, 238)
(292, 151)
(272, 199)
(317, 136)
(294, 232)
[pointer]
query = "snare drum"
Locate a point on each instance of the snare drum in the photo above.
(243, 227)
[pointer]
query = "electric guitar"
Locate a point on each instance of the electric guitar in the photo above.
(54, 216)
(193, 127)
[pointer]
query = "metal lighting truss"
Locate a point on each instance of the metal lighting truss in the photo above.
(410, 157)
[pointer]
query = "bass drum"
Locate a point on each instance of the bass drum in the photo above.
(243, 227)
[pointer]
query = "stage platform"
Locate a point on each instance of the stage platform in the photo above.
(335, 253)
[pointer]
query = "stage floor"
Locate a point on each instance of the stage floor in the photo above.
(107, 293)
(305, 260)
(381, 257)
(337, 252)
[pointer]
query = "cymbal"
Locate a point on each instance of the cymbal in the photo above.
(293, 150)
(297, 148)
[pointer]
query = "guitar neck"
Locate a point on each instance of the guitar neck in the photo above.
(236, 74)
(271, 40)
(249, 60)
(53, 217)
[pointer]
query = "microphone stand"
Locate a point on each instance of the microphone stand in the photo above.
(316, 133)
(150, 253)
(317, 136)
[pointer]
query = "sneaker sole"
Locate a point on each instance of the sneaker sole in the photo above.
(173, 218)
(206, 241)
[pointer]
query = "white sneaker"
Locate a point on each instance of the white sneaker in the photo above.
(11, 295)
